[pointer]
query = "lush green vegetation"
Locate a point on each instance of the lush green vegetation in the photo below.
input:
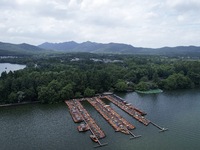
(55, 78)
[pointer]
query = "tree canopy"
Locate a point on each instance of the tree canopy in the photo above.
(54, 78)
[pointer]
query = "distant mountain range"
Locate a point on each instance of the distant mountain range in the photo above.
(89, 47)
(92, 47)
(8, 49)
(118, 48)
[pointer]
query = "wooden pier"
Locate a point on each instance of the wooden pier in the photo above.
(133, 135)
(133, 107)
(98, 141)
(96, 130)
(129, 109)
(157, 126)
(112, 117)
(75, 113)
(79, 113)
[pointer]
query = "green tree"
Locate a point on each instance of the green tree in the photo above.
(12, 97)
(177, 81)
(20, 96)
(43, 94)
(30, 94)
(142, 86)
(67, 92)
(78, 95)
(121, 86)
(89, 92)
(155, 77)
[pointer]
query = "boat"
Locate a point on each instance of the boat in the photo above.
(83, 127)
(123, 129)
(94, 138)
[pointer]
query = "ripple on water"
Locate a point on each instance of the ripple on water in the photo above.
(51, 127)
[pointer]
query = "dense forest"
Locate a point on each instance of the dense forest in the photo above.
(54, 78)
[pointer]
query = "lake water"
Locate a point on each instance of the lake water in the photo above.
(10, 67)
(42, 127)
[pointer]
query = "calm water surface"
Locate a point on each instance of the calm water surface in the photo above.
(10, 67)
(42, 127)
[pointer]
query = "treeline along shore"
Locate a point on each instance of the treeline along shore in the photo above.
(57, 77)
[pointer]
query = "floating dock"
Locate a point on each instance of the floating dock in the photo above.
(133, 107)
(128, 108)
(83, 127)
(157, 126)
(96, 130)
(112, 117)
(75, 113)
(80, 114)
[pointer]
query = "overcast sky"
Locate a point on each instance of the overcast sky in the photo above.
(144, 23)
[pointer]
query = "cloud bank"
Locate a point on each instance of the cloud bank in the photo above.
(145, 23)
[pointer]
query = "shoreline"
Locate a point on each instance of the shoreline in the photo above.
(136, 91)
(17, 104)
(155, 91)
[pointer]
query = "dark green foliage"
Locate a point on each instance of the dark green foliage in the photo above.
(67, 92)
(55, 78)
(78, 95)
(89, 92)
(121, 86)
(142, 86)
(177, 81)
(12, 97)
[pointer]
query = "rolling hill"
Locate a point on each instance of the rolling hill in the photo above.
(8, 49)
(118, 48)
(90, 47)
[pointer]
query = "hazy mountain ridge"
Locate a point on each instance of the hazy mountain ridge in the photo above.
(19, 49)
(92, 47)
(120, 48)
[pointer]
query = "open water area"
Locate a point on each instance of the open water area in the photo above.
(10, 67)
(41, 127)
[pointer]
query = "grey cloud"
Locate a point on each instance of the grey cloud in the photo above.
(187, 5)
(7, 4)
(146, 23)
